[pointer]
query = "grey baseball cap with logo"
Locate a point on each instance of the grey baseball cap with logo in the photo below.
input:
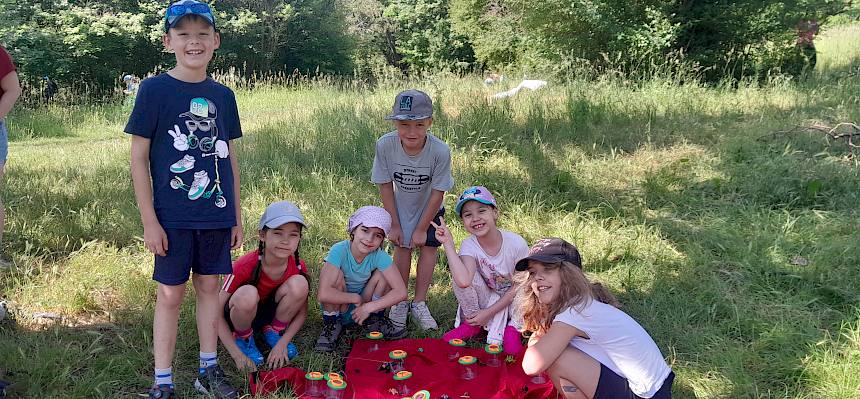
(411, 105)
(279, 213)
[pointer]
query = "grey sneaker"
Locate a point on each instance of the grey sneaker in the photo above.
(328, 337)
(422, 314)
(399, 313)
(213, 382)
(159, 392)
(384, 325)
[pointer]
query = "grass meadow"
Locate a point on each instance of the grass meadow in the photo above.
(726, 230)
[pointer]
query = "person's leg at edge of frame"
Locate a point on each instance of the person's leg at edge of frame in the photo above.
(165, 324)
(575, 374)
(2, 210)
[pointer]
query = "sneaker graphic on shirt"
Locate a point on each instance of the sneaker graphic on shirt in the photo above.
(198, 186)
(183, 165)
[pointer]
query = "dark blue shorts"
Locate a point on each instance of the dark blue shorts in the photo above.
(614, 386)
(431, 231)
(203, 252)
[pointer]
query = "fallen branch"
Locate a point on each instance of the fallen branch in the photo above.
(833, 133)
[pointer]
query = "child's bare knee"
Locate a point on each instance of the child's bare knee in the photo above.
(295, 287)
(245, 298)
(206, 284)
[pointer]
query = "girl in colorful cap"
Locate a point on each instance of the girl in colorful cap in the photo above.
(268, 291)
(483, 271)
(589, 347)
(357, 282)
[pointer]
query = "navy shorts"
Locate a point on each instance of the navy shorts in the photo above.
(431, 231)
(614, 386)
(266, 310)
(4, 142)
(204, 251)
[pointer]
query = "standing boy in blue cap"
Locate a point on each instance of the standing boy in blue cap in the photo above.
(186, 181)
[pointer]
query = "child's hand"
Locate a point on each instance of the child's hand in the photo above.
(243, 362)
(395, 235)
(237, 235)
(360, 314)
(155, 239)
(480, 318)
(419, 238)
(279, 356)
(443, 235)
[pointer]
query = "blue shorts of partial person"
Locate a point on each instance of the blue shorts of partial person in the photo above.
(613, 386)
(203, 251)
(4, 142)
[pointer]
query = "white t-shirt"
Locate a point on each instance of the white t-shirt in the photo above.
(497, 271)
(620, 343)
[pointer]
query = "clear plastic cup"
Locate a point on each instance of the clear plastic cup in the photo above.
(401, 379)
(336, 389)
(467, 367)
(375, 337)
(494, 353)
(454, 347)
(398, 360)
(314, 384)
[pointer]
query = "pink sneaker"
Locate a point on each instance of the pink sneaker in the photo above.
(464, 331)
(512, 341)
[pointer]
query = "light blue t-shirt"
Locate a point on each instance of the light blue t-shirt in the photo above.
(356, 274)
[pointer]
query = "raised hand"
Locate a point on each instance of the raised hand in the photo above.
(443, 235)
(180, 140)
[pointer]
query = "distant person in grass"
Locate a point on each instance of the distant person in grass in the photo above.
(267, 292)
(589, 347)
(357, 282)
(186, 181)
(483, 272)
(413, 171)
(10, 90)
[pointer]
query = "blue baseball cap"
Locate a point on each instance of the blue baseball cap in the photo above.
(181, 8)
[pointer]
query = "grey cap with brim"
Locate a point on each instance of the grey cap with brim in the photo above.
(280, 213)
(411, 105)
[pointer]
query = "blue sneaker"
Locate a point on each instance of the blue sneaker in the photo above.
(249, 348)
(272, 337)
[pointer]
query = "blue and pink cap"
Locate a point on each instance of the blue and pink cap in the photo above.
(475, 193)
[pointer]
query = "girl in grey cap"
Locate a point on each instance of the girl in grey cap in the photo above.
(267, 292)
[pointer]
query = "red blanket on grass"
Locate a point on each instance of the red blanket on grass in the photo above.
(428, 360)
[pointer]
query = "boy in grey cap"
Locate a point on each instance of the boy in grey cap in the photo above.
(413, 170)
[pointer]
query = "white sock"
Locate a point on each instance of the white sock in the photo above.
(164, 376)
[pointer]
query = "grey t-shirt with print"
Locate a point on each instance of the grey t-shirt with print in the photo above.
(415, 177)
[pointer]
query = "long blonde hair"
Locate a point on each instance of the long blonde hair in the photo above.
(575, 291)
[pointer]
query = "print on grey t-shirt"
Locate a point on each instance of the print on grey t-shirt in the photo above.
(412, 178)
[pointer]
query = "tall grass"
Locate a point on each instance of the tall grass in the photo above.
(728, 234)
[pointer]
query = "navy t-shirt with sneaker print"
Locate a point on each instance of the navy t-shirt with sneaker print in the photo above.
(189, 125)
